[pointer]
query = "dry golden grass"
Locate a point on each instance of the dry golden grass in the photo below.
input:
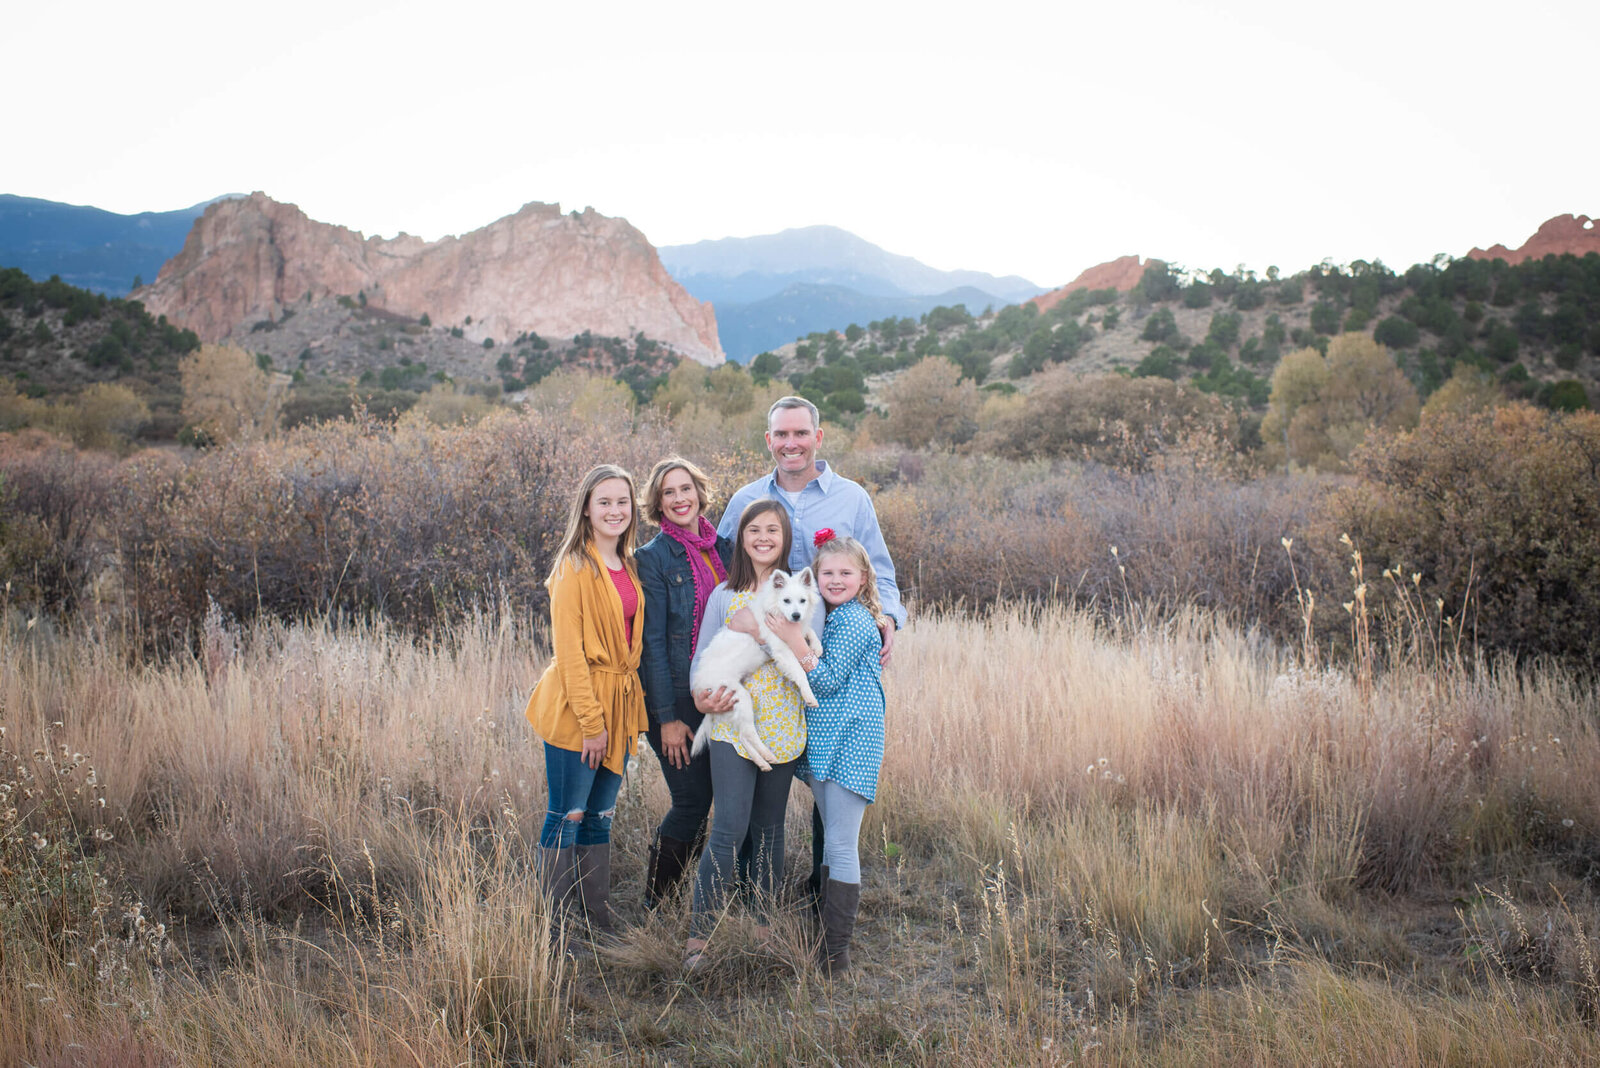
(1154, 841)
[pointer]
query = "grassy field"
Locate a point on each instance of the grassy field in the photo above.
(1157, 840)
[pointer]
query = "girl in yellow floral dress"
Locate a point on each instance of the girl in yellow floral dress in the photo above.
(747, 798)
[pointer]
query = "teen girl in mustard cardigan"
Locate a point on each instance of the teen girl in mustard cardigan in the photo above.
(588, 706)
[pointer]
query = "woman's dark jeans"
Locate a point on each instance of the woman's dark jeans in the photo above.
(690, 788)
(748, 799)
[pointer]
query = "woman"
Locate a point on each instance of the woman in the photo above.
(588, 706)
(748, 799)
(678, 568)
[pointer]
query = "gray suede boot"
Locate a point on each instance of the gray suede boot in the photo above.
(840, 903)
(556, 876)
(594, 886)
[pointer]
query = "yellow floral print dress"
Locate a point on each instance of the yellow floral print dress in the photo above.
(780, 717)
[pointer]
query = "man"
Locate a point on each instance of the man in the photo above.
(816, 497)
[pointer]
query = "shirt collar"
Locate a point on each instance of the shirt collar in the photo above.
(824, 479)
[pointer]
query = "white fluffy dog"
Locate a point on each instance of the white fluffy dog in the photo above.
(731, 657)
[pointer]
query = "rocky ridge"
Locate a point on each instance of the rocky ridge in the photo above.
(1561, 235)
(536, 271)
(1121, 274)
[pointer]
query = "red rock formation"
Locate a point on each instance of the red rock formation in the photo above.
(1577, 234)
(538, 270)
(1121, 274)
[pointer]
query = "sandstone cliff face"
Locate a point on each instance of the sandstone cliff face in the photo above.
(1121, 274)
(1575, 234)
(538, 270)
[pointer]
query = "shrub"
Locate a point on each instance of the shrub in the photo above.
(1125, 422)
(226, 392)
(445, 406)
(1161, 326)
(1568, 395)
(1322, 406)
(932, 405)
(1396, 333)
(1203, 355)
(943, 318)
(409, 522)
(1325, 317)
(1158, 283)
(1224, 329)
(107, 415)
(1185, 534)
(54, 498)
(765, 366)
(1500, 343)
(1162, 362)
(1499, 512)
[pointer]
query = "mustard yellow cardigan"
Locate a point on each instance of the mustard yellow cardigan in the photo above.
(592, 683)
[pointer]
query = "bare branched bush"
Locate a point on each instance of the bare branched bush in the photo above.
(975, 530)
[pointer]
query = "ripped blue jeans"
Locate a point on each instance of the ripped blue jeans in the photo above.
(576, 787)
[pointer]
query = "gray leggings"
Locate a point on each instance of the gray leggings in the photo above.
(842, 810)
(746, 799)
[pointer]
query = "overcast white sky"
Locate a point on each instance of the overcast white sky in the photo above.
(1035, 139)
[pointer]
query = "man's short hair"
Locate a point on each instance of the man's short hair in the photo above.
(794, 402)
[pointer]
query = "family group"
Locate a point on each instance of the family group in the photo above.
(628, 628)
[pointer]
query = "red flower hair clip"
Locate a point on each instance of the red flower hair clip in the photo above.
(825, 534)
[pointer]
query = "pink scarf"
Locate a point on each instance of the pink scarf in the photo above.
(704, 540)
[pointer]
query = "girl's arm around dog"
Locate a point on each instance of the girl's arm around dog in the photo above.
(849, 638)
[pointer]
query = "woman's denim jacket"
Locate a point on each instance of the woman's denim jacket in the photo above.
(668, 583)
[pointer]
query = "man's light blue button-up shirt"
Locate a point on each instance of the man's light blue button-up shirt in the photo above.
(833, 501)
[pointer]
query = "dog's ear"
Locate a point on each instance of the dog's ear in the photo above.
(779, 579)
(805, 577)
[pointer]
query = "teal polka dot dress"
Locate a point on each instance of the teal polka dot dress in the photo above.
(844, 733)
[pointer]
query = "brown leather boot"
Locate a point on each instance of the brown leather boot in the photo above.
(594, 886)
(669, 858)
(840, 903)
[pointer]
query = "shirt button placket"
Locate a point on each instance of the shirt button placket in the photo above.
(797, 553)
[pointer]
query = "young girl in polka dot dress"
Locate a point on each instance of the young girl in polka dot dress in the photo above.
(844, 733)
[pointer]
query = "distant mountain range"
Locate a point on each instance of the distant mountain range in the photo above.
(89, 247)
(768, 290)
(748, 330)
